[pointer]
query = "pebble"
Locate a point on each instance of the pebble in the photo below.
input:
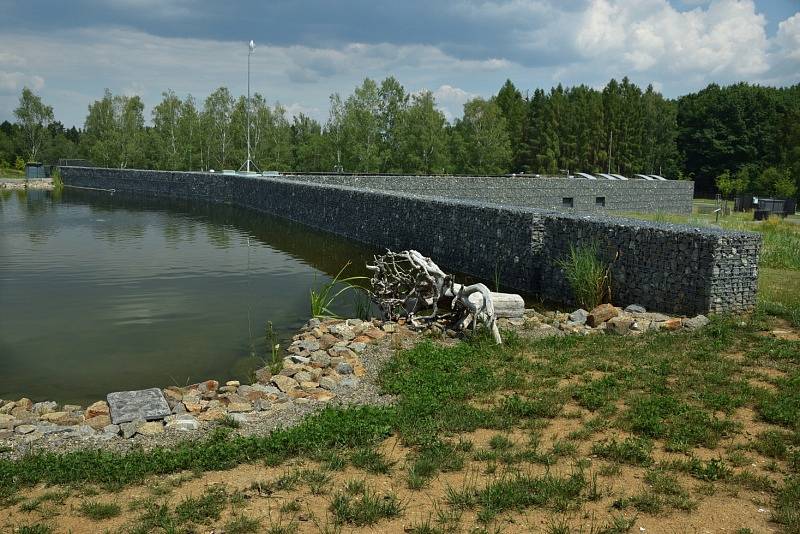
(344, 368)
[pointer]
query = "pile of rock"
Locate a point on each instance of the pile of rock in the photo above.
(605, 319)
(322, 358)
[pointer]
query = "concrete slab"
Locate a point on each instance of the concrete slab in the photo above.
(147, 404)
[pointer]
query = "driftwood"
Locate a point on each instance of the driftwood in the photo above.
(406, 282)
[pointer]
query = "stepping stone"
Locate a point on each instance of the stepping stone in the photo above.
(146, 404)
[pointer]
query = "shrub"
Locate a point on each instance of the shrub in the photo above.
(588, 276)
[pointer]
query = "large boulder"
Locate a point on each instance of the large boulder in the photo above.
(601, 314)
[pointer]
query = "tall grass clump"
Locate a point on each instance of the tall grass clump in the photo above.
(323, 299)
(58, 183)
(588, 276)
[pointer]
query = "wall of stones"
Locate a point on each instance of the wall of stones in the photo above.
(671, 196)
(668, 268)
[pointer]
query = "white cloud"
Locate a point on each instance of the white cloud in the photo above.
(13, 82)
(728, 37)
(788, 38)
(451, 100)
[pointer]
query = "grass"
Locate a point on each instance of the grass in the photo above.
(99, 511)
(364, 507)
(646, 394)
(588, 275)
(323, 299)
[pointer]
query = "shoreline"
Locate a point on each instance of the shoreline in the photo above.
(21, 184)
(331, 362)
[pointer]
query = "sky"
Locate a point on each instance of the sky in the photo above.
(69, 52)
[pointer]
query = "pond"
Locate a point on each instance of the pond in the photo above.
(102, 292)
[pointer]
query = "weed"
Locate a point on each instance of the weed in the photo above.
(204, 508)
(786, 511)
(241, 524)
(588, 276)
(500, 442)
(37, 528)
(228, 422)
(316, 479)
(364, 508)
(99, 511)
(323, 299)
(290, 507)
(522, 491)
(633, 451)
(461, 499)
(372, 460)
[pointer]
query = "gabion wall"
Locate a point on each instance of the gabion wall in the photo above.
(669, 268)
(549, 193)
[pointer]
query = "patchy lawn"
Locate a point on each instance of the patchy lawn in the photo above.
(667, 432)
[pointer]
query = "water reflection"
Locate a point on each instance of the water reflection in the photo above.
(103, 292)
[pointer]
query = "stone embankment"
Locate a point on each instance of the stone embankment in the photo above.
(20, 184)
(330, 362)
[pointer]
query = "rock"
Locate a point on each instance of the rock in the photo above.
(7, 421)
(41, 408)
(306, 385)
(620, 325)
(696, 322)
(150, 428)
(82, 432)
(33, 436)
(601, 314)
(313, 323)
(349, 382)
(111, 429)
(183, 423)
(212, 415)
(62, 418)
(579, 316)
(289, 371)
(6, 408)
(303, 376)
(233, 383)
(671, 324)
(237, 407)
(302, 360)
(327, 382)
(261, 405)
(24, 429)
(147, 404)
(263, 375)
(239, 417)
(98, 422)
(72, 408)
(49, 428)
(374, 333)
(543, 330)
(21, 413)
(327, 341)
(635, 308)
(344, 368)
(209, 386)
(343, 331)
(265, 390)
(128, 429)
(26, 404)
(390, 328)
(284, 383)
(98, 408)
(172, 394)
(322, 395)
(341, 352)
(357, 347)
(321, 358)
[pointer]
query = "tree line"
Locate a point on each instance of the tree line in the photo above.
(741, 137)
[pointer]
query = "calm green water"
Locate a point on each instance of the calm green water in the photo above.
(102, 292)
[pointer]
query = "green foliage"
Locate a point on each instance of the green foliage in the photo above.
(19, 164)
(33, 118)
(364, 507)
(99, 510)
(588, 276)
(786, 512)
(633, 451)
(522, 491)
(323, 299)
